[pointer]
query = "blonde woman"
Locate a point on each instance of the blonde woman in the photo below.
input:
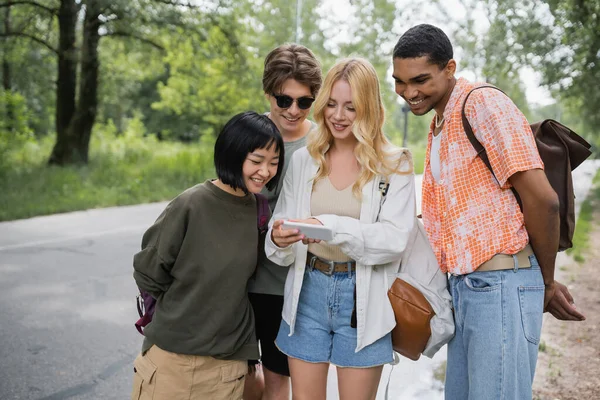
(350, 179)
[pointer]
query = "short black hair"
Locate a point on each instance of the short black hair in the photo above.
(241, 135)
(425, 40)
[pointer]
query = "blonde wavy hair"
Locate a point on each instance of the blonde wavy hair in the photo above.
(374, 153)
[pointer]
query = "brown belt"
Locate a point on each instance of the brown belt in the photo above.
(329, 267)
(506, 261)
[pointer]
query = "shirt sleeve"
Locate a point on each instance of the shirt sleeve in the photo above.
(504, 132)
(160, 247)
(286, 206)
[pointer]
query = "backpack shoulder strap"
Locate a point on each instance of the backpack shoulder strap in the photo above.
(476, 144)
(469, 130)
(262, 205)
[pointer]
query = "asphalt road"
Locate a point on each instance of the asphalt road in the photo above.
(67, 304)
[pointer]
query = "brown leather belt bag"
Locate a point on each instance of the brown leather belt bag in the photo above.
(413, 315)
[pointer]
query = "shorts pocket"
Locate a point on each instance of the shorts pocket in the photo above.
(482, 282)
(234, 371)
(531, 301)
(137, 386)
(143, 383)
(231, 385)
(232, 380)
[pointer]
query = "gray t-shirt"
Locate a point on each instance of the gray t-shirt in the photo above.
(270, 277)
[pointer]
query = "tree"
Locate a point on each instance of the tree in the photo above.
(208, 81)
(7, 74)
(140, 20)
(494, 56)
(25, 68)
(559, 39)
(572, 67)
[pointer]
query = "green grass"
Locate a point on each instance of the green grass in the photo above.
(130, 168)
(122, 170)
(585, 221)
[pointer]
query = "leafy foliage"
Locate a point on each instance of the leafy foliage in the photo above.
(14, 132)
(125, 169)
(173, 71)
(573, 66)
(558, 39)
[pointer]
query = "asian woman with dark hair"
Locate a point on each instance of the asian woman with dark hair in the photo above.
(196, 261)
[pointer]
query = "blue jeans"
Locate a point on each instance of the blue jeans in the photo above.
(498, 317)
(322, 332)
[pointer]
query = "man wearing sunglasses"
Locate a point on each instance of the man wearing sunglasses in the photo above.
(284, 101)
(291, 81)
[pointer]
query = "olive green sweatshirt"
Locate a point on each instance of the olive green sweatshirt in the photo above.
(196, 261)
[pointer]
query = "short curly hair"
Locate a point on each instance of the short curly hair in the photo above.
(425, 40)
(291, 61)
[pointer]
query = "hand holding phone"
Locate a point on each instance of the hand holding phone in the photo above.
(311, 231)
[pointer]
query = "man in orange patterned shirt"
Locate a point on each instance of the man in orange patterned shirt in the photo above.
(479, 234)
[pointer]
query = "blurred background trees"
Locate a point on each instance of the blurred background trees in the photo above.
(554, 42)
(178, 69)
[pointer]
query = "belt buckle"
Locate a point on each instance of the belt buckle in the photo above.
(331, 268)
(311, 262)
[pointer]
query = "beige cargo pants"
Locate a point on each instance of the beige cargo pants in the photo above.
(161, 375)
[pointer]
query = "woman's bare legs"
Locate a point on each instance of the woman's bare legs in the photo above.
(309, 380)
(358, 383)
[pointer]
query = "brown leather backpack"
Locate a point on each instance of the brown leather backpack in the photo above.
(561, 150)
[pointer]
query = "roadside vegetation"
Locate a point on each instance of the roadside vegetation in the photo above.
(123, 169)
(585, 221)
(106, 103)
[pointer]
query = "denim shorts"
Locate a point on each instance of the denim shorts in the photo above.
(322, 332)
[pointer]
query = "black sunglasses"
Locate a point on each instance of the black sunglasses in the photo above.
(285, 101)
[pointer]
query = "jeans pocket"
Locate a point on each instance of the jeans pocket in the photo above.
(531, 301)
(534, 262)
(482, 282)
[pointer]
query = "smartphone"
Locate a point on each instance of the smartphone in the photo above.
(309, 230)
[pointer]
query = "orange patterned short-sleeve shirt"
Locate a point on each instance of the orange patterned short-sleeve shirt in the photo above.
(470, 216)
